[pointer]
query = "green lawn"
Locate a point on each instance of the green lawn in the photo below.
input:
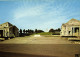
(45, 33)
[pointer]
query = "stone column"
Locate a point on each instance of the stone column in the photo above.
(73, 30)
(3, 32)
(79, 31)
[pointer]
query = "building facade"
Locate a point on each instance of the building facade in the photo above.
(8, 30)
(71, 28)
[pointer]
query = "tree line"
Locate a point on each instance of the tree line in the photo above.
(23, 32)
(55, 31)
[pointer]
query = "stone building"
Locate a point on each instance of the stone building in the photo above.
(8, 30)
(71, 28)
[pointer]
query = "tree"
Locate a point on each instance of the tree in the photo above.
(38, 31)
(20, 32)
(28, 31)
(59, 29)
(51, 30)
(35, 30)
(24, 31)
(31, 31)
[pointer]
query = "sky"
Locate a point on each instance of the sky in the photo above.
(39, 14)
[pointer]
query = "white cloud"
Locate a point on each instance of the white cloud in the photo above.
(41, 16)
(28, 12)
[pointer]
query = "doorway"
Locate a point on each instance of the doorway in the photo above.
(1, 33)
(76, 31)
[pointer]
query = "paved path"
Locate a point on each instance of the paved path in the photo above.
(36, 40)
(38, 46)
(58, 50)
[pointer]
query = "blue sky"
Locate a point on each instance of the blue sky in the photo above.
(39, 14)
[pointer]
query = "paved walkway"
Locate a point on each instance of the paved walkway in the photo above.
(36, 40)
(44, 46)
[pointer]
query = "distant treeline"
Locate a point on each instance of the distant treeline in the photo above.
(55, 31)
(23, 32)
(29, 32)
